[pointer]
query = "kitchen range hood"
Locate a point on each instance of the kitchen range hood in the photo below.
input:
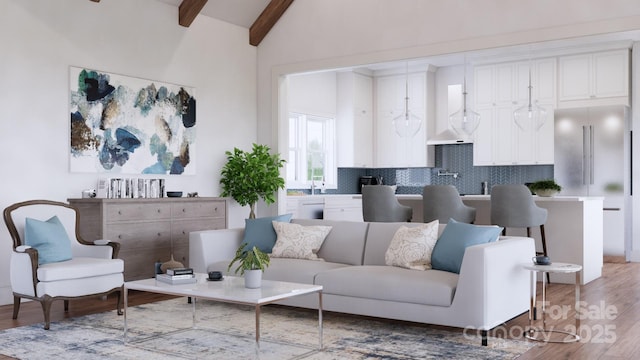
(448, 137)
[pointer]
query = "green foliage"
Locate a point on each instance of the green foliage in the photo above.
(548, 184)
(250, 176)
(253, 259)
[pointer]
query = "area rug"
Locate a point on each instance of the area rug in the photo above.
(164, 330)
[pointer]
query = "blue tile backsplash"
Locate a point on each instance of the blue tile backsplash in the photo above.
(448, 159)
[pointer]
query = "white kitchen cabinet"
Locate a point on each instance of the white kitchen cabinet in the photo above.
(593, 79)
(500, 89)
(391, 150)
(354, 120)
(347, 208)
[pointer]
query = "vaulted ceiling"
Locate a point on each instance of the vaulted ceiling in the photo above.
(259, 16)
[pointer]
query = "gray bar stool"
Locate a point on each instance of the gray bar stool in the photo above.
(379, 204)
(443, 202)
(513, 206)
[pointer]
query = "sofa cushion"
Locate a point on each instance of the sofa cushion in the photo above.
(379, 238)
(88, 267)
(345, 243)
(297, 270)
(411, 247)
(49, 238)
(390, 283)
(259, 232)
(297, 241)
(450, 247)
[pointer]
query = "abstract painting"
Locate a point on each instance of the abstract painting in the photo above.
(128, 125)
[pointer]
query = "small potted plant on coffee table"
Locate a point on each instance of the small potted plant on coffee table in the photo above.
(545, 188)
(251, 264)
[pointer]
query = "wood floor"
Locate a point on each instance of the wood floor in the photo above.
(611, 304)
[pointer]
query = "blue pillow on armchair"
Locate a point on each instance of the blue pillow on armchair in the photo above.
(449, 250)
(49, 238)
(260, 233)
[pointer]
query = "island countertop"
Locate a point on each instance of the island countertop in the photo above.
(488, 197)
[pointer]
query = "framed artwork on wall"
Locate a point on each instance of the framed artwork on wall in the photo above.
(127, 125)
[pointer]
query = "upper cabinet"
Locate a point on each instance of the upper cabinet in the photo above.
(354, 124)
(500, 89)
(593, 79)
(392, 150)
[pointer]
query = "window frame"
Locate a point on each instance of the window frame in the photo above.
(298, 151)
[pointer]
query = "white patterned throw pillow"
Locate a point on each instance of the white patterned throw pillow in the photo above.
(297, 241)
(411, 247)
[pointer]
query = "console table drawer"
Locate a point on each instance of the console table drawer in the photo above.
(140, 235)
(134, 212)
(210, 209)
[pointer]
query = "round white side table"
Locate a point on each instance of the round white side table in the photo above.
(535, 333)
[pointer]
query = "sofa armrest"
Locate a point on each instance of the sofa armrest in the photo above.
(209, 246)
(493, 287)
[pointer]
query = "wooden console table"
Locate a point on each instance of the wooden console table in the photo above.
(146, 228)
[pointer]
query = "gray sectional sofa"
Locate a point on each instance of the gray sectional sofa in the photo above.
(491, 288)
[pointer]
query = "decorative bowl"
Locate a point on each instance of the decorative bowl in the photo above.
(174, 193)
(546, 192)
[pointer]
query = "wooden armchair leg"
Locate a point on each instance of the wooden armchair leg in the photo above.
(46, 308)
(16, 306)
(66, 305)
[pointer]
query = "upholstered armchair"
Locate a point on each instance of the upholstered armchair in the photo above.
(379, 204)
(50, 261)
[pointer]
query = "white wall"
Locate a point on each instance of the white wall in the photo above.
(40, 39)
(313, 93)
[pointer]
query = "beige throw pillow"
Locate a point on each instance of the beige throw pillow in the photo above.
(411, 247)
(297, 241)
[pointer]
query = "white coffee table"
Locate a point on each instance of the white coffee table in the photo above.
(230, 290)
(555, 267)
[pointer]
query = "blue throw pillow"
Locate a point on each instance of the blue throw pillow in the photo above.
(456, 237)
(49, 238)
(260, 233)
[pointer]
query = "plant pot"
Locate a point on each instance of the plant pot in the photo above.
(546, 192)
(252, 279)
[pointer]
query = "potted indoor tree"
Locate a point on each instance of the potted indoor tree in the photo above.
(250, 176)
(251, 264)
(546, 187)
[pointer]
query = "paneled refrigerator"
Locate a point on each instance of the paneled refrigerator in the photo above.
(592, 158)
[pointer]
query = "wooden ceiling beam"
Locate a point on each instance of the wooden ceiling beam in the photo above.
(267, 19)
(188, 11)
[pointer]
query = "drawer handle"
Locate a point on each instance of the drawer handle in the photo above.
(184, 210)
(158, 211)
(215, 209)
(119, 212)
(119, 236)
(159, 234)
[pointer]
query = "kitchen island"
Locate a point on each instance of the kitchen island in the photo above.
(574, 229)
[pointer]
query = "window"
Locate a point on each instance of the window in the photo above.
(311, 152)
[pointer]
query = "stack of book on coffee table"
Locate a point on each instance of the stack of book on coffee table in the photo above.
(177, 276)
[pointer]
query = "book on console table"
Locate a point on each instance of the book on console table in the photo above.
(180, 271)
(176, 279)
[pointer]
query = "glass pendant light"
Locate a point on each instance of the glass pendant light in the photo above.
(464, 121)
(530, 116)
(407, 124)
